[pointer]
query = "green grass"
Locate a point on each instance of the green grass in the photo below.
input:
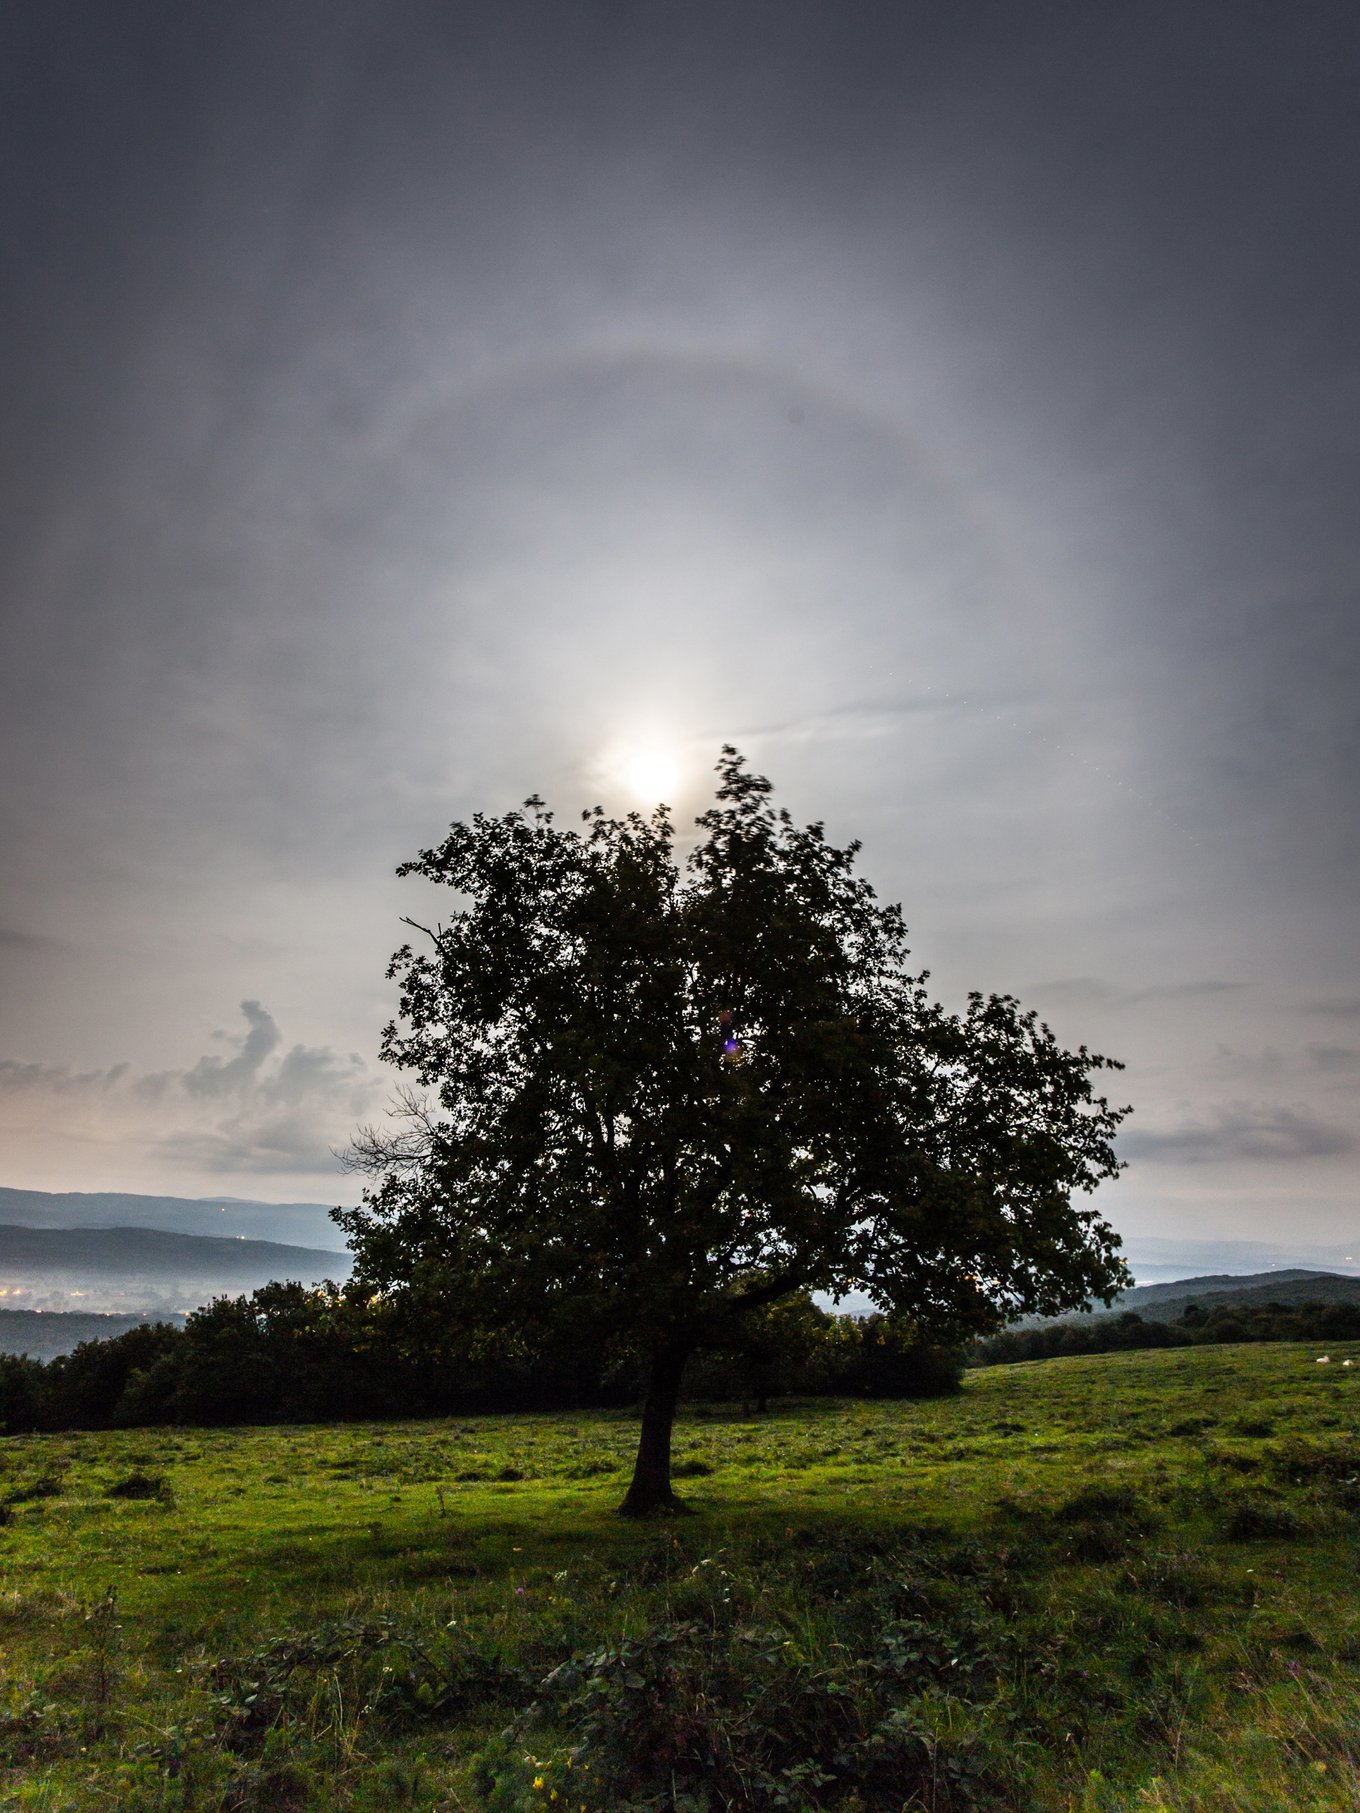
(1118, 1582)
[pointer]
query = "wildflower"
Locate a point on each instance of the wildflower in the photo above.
(519, 1592)
(1324, 1359)
(538, 1784)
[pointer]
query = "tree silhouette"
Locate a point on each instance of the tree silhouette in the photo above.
(648, 1100)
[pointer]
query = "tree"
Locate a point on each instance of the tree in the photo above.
(647, 1101)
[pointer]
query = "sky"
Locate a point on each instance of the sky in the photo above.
(410, 407)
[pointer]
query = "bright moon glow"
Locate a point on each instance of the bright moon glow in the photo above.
(651, 774)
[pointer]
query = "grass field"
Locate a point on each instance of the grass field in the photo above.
(1119, 1582)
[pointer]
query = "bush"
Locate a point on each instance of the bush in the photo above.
(1103, 1523)
(685, 1716)
(1260, 1519)
(894, 1362)
(141, 1485)
(22, 1393)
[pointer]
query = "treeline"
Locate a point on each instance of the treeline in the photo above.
(1199, 1324)
(287, 1354)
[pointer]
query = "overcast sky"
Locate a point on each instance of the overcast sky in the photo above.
(409, 407)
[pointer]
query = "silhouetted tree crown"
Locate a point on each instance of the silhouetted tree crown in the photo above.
(646, 1101)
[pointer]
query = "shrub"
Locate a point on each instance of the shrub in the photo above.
(702, 1718)
(141, 1485)
(1260, 1519)
(1103, 1522)
(46, 1485)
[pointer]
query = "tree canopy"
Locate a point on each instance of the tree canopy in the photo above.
(646, 1099)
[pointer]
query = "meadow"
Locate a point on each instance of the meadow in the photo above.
(1124, 1581)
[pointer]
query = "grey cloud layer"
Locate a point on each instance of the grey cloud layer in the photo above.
(1091, 991)
(17, 1078)
(1244, 1131)
(951, 405)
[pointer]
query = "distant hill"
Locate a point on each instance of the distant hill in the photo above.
(1168, 1302)
(306, 1224)
(43, 1334)
(137, 1270)
(1158, 1258)
(153, 1250)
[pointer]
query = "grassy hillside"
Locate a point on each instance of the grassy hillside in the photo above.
(1106, 1584)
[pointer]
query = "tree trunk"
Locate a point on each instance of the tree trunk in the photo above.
(650, 1491)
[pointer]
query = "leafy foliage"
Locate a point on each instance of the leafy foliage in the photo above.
(691, 1716)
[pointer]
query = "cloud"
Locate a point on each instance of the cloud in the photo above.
(1092, 991)
(1347, 1008)
(1241, 1131)
(57, 1079)
(248, 1144)
(1237, 1066)
(864, 718)
(1271, 1064)
(227, 1076)
(308, 1071)
(12, 939)
(261, 1109)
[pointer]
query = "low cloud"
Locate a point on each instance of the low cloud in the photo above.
(12, 939)
(258, 1109)
(1347, 1008)
(243, 1145)
(57, 1079)
(1091, 991)
(212, 1076)
(1240, 1132)
(1270, 1064)
(865, 718)
(1241, 1066)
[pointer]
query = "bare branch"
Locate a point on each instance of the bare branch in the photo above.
(372, 1151)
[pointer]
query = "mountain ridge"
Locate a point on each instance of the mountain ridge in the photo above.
(1167, 1302)
(306, 1224)
(21, 1244)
